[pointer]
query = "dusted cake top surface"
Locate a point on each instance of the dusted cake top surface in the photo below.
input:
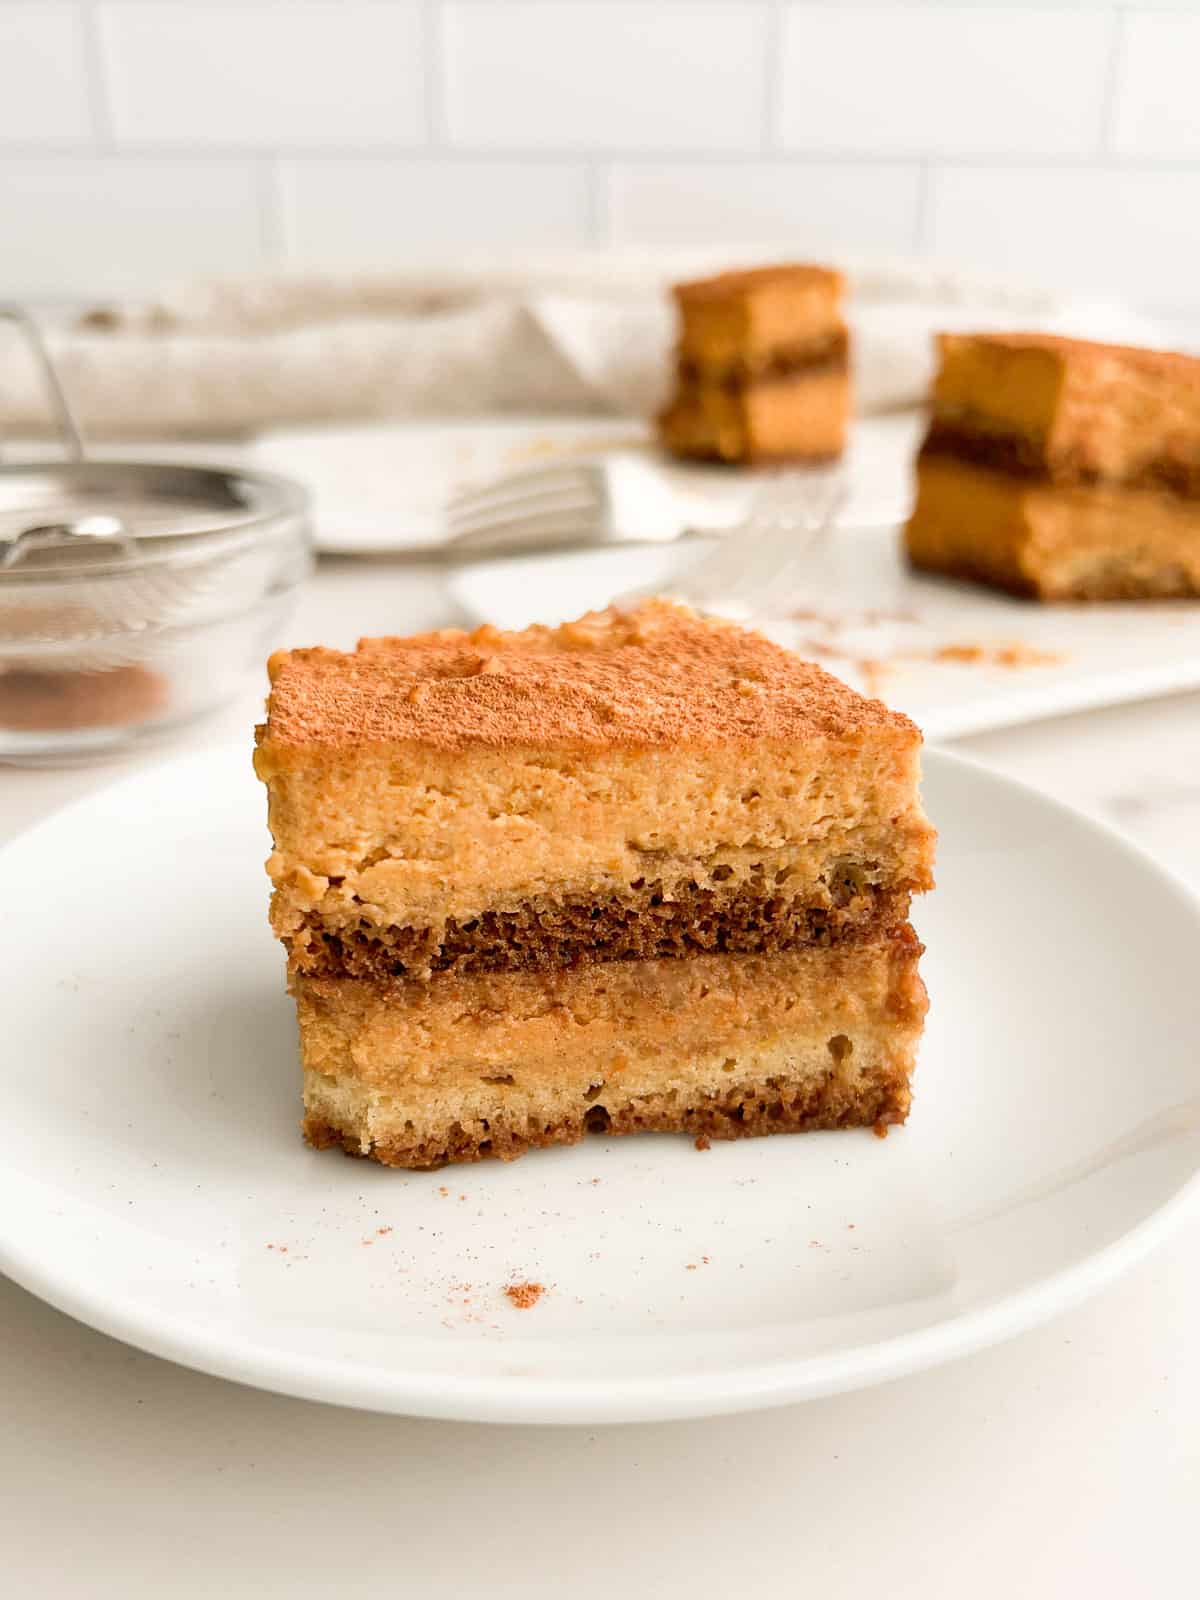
(747, 280)
(748, 316)
(1170, 364)
(658, 675)
(1077, 408)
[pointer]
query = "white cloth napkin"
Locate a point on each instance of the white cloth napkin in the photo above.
(582, 334)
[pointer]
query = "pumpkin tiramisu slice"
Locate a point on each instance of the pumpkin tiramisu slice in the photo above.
(643, 871)
(762, 368)
(1061, 469)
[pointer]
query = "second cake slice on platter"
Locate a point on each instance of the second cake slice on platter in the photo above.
(644, 871)
(1061, 469)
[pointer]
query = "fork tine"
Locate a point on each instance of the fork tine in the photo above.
(787, 545)
(797, 524)
(515, 512)
(788, 513)
(517, 485)
(726, 565)
(545, 529)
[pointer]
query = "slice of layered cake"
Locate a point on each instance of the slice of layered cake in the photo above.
(644, 871)
(1061, 469)
(762, 367)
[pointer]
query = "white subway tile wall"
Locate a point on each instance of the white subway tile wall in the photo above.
(1158, 111)
(816, 205)
(144, 140)
(1092, 227)
(605, 74)
(938, 81)
(43, 74)
(341, 213)
(319, 72)
(82, 225)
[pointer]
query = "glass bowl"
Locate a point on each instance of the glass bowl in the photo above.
(136, 595)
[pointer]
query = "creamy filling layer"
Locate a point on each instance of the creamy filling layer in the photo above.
(416, 1074)
(604, 1020)
(393, 838)
(800, 416)
(1060, 542)
(388, 840)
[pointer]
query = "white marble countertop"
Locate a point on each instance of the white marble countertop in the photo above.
(1064, 1463)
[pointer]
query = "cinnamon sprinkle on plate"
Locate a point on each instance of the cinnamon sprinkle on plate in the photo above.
(525, 1295)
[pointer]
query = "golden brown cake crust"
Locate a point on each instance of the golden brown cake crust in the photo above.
(746, 1111)
(658, 676)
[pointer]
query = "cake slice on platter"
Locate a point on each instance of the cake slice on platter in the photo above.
(643, 871)
(1061, 469)
(762, 368)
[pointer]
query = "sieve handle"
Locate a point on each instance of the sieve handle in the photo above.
(68, 428)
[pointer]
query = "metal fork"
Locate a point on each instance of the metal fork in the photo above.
(761, 557)
(604, 501)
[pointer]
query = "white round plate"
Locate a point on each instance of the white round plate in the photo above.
(155, 1186)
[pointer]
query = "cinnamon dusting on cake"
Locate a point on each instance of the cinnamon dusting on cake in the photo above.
(659, 675)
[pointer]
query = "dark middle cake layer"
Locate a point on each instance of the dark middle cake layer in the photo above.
(1027, 456)
(828, 353)
(642, 924)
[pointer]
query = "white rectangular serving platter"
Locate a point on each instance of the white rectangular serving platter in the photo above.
(959, 659)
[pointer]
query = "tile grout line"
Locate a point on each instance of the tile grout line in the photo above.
(99, 103)
(133, 151)
(640, 159)
(772, 34)
(1112, 73)
(921, 221)
(273, 232)
(599, 204)
(433, 49)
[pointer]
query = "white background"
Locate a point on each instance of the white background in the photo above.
(151, 139)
